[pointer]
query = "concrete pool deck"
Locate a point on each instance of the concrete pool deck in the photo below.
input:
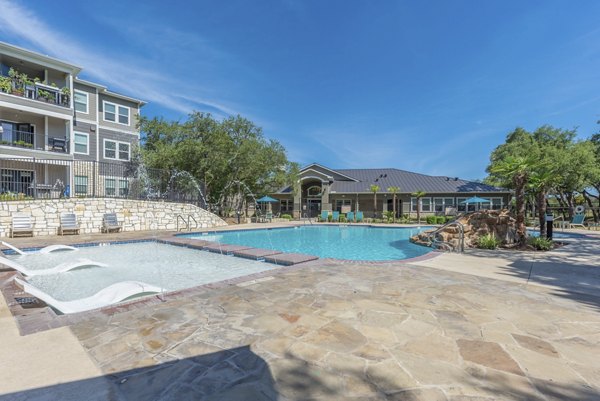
(456, 327)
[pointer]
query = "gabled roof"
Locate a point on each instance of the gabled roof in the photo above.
(360, 181)
(407, 181)
(321, 167)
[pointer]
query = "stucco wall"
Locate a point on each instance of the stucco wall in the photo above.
(134, 215)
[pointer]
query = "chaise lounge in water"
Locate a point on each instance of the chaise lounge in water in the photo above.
(110, 295)
(63, 267)
(44, 250)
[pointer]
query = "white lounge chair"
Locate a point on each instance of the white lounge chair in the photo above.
(68, 223)
(47, 249)
(110, 223)
(21, 226)
(110, 295)
(63, 267)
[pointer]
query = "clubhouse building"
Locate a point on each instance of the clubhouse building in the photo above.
(322, 188)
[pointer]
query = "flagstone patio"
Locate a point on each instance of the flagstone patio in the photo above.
(334, 331)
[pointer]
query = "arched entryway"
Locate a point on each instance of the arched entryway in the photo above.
(312, 192)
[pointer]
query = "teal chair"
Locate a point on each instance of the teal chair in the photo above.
(350, 217)
(577, 221)
(324, 215)
(359, 217)
(336, 216)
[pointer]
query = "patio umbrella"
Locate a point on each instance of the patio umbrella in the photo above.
(475, 199)
(267, 199)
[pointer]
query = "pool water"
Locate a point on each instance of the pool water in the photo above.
(166, 266)
(536, 233)
(361, 243)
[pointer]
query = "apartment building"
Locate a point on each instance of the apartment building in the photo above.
(60, 134)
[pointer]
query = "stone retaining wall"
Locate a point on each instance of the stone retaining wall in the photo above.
(133, 214)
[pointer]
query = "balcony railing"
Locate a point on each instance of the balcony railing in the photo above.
(37, 91)
(29, 140)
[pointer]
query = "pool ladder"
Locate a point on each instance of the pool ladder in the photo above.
(187, 223)
(447, 246)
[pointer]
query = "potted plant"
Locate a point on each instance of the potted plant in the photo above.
(5, 84)
(66, 95)
(43, 95)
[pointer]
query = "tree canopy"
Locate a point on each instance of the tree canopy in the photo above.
(228, 156)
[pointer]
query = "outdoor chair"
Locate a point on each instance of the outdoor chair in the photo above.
(350, 217)
(336, 216)
(21, 225)
(68, 224)
(110, 223)
(324, 215)
(577, 221)
(359, 217)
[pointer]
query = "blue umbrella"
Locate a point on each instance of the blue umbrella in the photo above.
(267, 199)
(476, 199)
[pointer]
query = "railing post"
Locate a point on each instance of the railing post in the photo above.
(94, 171)
(34, 180)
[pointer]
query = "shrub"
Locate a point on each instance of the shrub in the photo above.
(540, 243)
(286, 216)
(488, 241)
(343, 219)
(330, 218)
(431, 219)
(440, 220)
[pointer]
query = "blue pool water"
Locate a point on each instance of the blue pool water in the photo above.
(536, 233)
(361, 243)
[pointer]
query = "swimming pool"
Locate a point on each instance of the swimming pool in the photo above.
(360, 243)
(162, 265)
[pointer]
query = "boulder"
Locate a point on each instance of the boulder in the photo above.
(499, 223)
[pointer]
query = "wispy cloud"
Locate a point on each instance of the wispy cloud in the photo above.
(131, 77)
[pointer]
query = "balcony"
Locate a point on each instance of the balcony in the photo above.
(21, 85)
(29, 140)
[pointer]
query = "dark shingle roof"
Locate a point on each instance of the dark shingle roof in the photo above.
(407, 181)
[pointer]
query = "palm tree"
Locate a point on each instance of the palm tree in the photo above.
(394, 191)
(517, 170)
(419, 194)
(374, 189)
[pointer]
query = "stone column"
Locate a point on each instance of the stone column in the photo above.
(298, 204)
(325, 204)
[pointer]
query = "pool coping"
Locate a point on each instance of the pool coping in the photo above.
(43, 317)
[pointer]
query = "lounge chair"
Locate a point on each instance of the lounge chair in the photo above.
(107, 296)
(110, 223)
(68, 224)
(21, 226)
(324, 215)
(61, 268)
(44, 250)
(350, 217)
(336, 216)
(577, 221)
(359, 217)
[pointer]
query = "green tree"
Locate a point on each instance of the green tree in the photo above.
(419, 195)
(516, 169)
(374, 189)
(394, 191)
(220, 154)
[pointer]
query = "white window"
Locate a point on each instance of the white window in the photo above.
(81, 143)
(343, 205)
(116, 150)
(80, 100)
(441, 204)
(496, 203)
(425, 204)
(110, 112)
(109, 186)
(116, 114)
(462, 207)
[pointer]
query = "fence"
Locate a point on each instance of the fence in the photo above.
(31, 178)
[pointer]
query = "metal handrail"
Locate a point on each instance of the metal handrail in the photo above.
(190, 217)
(182, 219)
(461, 230)
(305, 218)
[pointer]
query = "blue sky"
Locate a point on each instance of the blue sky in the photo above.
(427, 86)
